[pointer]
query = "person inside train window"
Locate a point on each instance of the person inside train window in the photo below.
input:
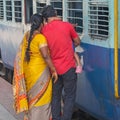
(60, 36)
(33, 70)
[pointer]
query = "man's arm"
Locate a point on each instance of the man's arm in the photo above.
(74, 35)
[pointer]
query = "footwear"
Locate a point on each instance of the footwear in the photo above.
(78, 69)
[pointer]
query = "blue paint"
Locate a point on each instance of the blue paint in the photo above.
(95, 92)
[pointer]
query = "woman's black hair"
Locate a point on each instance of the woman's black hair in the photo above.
(48, 11)
(36, 20)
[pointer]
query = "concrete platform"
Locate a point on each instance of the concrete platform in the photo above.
(5, 115)
(6, 102)
(6, 105)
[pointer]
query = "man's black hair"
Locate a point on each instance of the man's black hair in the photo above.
(48, 11)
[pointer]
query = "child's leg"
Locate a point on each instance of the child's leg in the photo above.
(77, 59)
(79, 66)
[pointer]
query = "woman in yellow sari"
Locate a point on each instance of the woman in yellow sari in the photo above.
(33, 70)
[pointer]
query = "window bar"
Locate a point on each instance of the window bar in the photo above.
(13, 15)
(4, 4)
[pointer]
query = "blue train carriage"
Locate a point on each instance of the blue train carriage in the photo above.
(98, 87)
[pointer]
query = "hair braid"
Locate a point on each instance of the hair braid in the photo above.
(36, 21)
(28, 47)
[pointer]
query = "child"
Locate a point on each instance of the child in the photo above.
(79, 65)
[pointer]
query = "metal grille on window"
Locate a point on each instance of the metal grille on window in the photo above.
(98, 19)
(57, 4)
(1, 10)
(75, 13)
(8, 10)
(18, 9)
(40, 4)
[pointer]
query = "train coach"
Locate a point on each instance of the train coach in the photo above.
(98, 86)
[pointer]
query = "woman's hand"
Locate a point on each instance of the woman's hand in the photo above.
(46, 56)
(54, 76)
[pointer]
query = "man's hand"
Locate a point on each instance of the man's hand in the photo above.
(54, 77)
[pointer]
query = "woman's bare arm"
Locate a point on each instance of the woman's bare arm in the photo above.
(46, 56)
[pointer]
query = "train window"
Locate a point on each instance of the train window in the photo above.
(57, 4)
(9, 10)
(12, 10)
(75, 13)
(18, 10)
(1, 10)
(98, 24)
(28, 10)
(40, 5)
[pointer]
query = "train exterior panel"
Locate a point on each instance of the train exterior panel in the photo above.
(98, 86)
(10, 39)
(95, 88)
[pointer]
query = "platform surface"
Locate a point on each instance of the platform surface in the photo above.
(6, 102)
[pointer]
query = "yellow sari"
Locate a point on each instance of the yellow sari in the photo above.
(32, 86)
